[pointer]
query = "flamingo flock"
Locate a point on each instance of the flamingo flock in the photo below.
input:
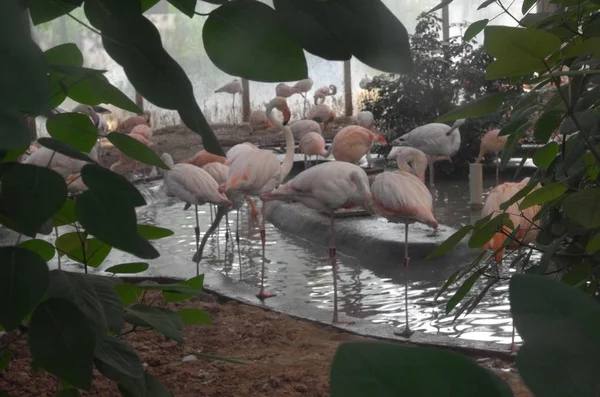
(228, 182)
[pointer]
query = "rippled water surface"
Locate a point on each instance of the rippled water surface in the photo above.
(301, 269)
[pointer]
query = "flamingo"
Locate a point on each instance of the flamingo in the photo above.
(324, 92)
(312, 144)
(302, 127)
(415, 158)
(143, 130)
(492, 142)
(321, 113)
(192, 185)
(401, 197)
(326, 188)
(203, 157)
(58, 162)
(259, 171)
(521, 219)
(128, 124)
(75, 183)
(238, 150)
(351, 143)
(259, 120)
(434, 139)
(233, 87)
(366, 119)
(285, 91)
(303, 86)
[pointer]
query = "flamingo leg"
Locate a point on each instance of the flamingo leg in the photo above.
(332, 258)
(211, 213)
(497, 170)
(306, 162)
(262, 295)
(233, 109)
(407, 331)
(197, 233)
(431, 177)
(237, 239)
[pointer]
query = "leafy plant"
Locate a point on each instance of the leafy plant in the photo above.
(75, 322)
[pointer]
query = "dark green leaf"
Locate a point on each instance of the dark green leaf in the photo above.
(588, 120)
(154, 74)
(372, 369)
(450, 242)
(544, 156)
(121, 357)
(148, 4)
(231, 35)
(128, 293)
(135, 149)
(482, 235)
(583, 207)
(23, 283)
(481, 295)
(527, 4)
(443, 4)
(109, 299)
(25, 85)
(74, 129)
(64, 54)
(77, 289)
(93, 255)
(62, 341)
(447, 284)
(68, 242)
(194, 316)
(47, 10)
(543, 194)
(114, 225)
(593, 245)
(41, 247)
(464, 289)
(186, 6)
(32, 195)
(151, 232)
(194, 285)
(530, 46)
(485, 4)
(121, 191)
(299, 23)
(163, 320)
(5, 359)
(474, 29)
(545, 126)
(65, 149)
(14, 133)
(479, 107)
(128, 268)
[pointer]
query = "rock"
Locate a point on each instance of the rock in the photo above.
(301, 388)
(189, 357)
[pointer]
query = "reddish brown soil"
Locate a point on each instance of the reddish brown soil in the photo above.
(288, 357)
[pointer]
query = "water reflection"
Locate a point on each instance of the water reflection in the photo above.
(300, 269)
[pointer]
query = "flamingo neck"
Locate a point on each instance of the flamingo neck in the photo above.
(403, 166)
(364, 192)
(167, 159)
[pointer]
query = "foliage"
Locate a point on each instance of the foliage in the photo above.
(75, 322)
(445, 74)
(558, 325)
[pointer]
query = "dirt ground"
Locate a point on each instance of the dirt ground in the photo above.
(287, 357)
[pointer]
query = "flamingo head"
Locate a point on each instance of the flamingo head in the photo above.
(280, 104)
(456, 125)
(379, 138)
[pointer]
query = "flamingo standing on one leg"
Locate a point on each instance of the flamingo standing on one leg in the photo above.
(434, 139)
(523, 219)
(321, 113)
(326, 188)
(259, 171)
(401, 197)
(232, 155)
(192, 185)
(492, 142)
(312, 144)
(351, 143)
(233, 87)
(303, 86)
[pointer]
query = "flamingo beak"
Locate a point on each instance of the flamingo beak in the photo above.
(286, 115)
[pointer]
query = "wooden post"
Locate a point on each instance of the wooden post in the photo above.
(29, 120)
(245, 100)
(139, 100)
(348, 87)
(476, 185)
(446, 23)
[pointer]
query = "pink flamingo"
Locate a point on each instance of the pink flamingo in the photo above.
(321, 113)
(415, 158)
(434, 139)
(238, 150)
(402, 197)
(259, 121)
(492, 142)
(233, 87)
(523, 219)
(128, 124)
(283, 90)
(326, 188)
(258, 171)
(203, 157)
(312, 144)
(323, 92)
(302, 127)
(351, 143)
(303, 86)
(143, 130)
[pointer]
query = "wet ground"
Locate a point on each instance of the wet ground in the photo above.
(296, 268)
